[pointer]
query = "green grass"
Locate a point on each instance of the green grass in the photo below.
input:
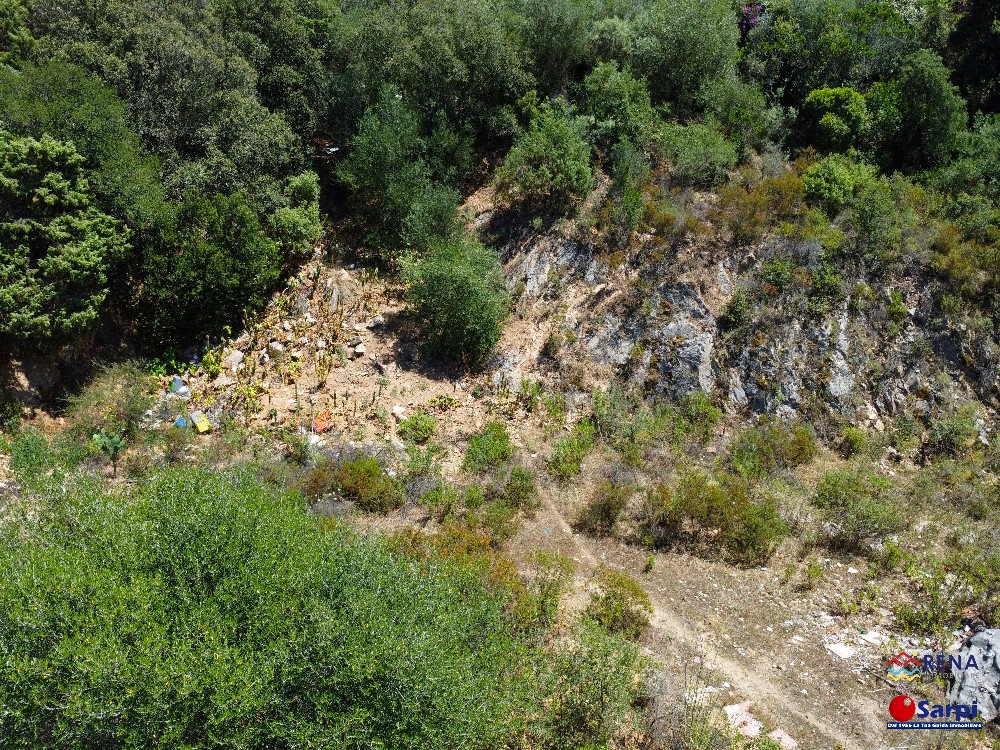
(861, 506)
(418, 428)
(488, 449)
(569, 452)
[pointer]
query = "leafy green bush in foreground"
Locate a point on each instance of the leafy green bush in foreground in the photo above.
(210, 610)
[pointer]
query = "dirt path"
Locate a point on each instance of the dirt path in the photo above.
(748, 635)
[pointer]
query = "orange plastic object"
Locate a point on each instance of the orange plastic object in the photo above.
(322, 422)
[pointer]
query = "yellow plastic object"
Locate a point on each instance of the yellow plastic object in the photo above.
(201, 422)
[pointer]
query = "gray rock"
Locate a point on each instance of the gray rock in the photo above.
(275, 348)
(376, 321)
(233, 359)
(983, 684)
(359, 350)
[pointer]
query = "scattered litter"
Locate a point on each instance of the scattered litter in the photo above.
(180, 422)
(742, 720)
(841, 649)
(875, 638)
(201, 422)
(322, 422)
(178, 386)
(781, 737)
(853, 571)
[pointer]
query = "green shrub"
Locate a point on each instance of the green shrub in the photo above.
(10, 414)
(749, 211)
(549, 575)
(568, 452)
(599, 515)
(550, 162)
(488, 449)
(363, 481)
(834, 118)
(116, 399)
(722, 507)
(589, 686)
(737, 313)
(418, 428)
(700, 413)
(318, 479)
(279, 630)
(619, 605)
(699, 155)
(831, 182)
(826, 288)
(519, 490)
(953, 435)
(458, 293)
(861, 507)
(443, 500)
(777, 273)
(30, 453)
(619, 105)
(496, 520)
(759, 452)
(853, 441)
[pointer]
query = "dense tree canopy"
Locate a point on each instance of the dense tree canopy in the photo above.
(414, 103)
(56, 248)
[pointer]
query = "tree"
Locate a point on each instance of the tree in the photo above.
(209, 269)
(932, 114)
(803, 45)
(681, 45)
(620, 106)
(550, 161)
(69, 103)
(15, 39)
(974, 47)
(458, 293)
(56, 248)
(556, 35)
(833, 119)
(391, 184)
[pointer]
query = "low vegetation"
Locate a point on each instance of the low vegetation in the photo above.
(345, 617)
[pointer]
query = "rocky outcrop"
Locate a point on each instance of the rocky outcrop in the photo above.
(660, 326)
(981, 685)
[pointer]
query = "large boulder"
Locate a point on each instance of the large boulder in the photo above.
(981, 685)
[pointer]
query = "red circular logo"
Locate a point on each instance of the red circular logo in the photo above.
(902, 708)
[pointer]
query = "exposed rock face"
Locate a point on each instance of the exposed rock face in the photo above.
(659, 324)
(980, 685)
(685, 345)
